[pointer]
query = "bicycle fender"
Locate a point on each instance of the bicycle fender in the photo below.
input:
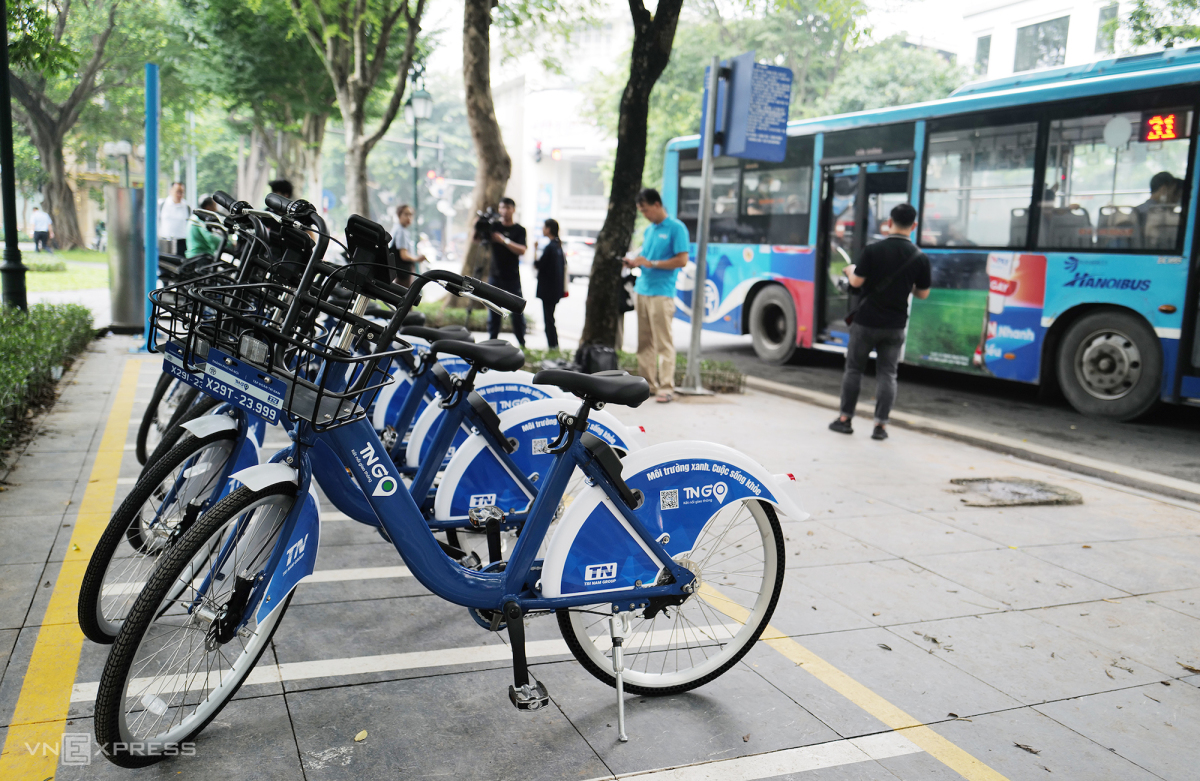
(300, 556)
(477, 477)
(684, 484)
(206, 425)
(502, 394)
(256, 478)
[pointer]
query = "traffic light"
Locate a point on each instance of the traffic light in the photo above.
(537, 152)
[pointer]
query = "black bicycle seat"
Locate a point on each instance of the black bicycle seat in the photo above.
(493, 354)
(415, 318)
(452, 333)
(617, 386)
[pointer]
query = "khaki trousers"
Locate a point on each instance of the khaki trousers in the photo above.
(656, 345)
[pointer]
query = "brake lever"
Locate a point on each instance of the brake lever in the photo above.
(488, 304)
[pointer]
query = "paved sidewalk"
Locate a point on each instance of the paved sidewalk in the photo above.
(916, 638)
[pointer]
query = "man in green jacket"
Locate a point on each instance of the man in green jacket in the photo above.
(200, 240)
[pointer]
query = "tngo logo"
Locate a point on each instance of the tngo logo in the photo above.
(595, 572)
(717, 490)
(387, 485)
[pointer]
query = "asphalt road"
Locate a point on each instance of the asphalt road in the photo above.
(1167, 441)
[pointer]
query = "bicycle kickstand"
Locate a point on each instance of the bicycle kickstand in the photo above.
(618, 626)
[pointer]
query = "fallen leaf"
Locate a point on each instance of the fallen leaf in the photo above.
(1147, 696)
(1030, 749)
(884, 646)
(1109, 674)
(1188, 667)
(745, 738)
(952, 715)
(874, 614)
(810, 532)
(75, 546)
(1087, 546)
(1113, 601)
(360, 737)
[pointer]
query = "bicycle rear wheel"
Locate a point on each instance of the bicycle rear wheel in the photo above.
(165, 502)
(738, 562)
(177, 659)
(170, 399)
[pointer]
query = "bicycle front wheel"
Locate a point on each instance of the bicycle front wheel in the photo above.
(181, 654)
(165, 502)
(169, 400)
(738, 563)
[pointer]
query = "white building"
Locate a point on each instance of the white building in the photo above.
(556, 148)
(1011, 37)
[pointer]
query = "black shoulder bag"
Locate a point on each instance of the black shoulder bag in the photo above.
(886, 283)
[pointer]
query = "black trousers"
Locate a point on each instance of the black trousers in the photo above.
(518, 319)
(551, 330)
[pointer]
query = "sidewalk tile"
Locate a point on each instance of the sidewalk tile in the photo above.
(814, 544)
(1136, 566)
(908, 534)
(1031, 660)
(1152, 726)
(1016, 578)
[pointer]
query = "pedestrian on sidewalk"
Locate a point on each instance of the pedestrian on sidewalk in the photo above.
(508, 245)
(664, 251)
(43, 230)
(173, 214)
(551, 271)
(405, 244)
(887, 272)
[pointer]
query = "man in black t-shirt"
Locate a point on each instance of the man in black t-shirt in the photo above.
(887, 272)
(508, 245)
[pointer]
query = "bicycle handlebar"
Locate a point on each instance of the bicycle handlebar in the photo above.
(501, 298)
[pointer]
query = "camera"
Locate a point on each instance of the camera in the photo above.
(486, 223)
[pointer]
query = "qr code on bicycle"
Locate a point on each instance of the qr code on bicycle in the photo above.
(540, 446)
(668, 500)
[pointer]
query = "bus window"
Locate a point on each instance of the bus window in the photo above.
(775, 204)
(978, 183)
(726, 185)
(1116, 181)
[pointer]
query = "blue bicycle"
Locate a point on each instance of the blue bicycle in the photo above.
(662, 574)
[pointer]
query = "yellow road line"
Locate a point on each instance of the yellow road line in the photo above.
(931, 742)
(41, 714)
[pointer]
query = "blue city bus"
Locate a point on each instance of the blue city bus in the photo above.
(1057, 209)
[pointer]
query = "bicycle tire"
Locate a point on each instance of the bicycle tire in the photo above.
(113, 734)
(175, 431)
(96, 626)
(569, 623)
(150, 416)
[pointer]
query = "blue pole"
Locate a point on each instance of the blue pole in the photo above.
(151, 232)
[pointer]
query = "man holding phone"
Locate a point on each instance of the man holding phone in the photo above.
(664, 251)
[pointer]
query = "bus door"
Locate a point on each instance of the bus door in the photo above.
(857, 201)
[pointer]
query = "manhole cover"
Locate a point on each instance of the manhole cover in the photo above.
(1011, 491)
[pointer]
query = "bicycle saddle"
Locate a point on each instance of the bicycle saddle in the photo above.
(493, 354)
(617, 386)
(453, 333)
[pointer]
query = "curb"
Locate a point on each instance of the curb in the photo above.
(1028, 451)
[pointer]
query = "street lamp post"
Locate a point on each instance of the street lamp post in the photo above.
(12, 271)
(418, 106)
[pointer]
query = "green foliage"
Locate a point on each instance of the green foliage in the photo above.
(890, 73)
(39, 267)
(1165, 23)
(31, 42)
(27, 166)
(34, 347)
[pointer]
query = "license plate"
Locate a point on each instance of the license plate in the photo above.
(228, 379)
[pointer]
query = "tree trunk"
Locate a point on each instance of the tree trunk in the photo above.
(312, 134)
(59, 198)
(252, 169)
(495, 166)
(652, 41)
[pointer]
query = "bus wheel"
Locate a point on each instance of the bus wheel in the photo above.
(1110, 365)
(773, 324)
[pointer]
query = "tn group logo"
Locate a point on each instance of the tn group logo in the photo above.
(595, 573)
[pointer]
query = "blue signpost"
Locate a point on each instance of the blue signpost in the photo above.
(151, 232)
(745, 116)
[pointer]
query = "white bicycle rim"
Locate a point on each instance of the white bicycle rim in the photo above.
(129, 569)
(737, 561)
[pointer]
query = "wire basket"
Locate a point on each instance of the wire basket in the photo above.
(272, 350)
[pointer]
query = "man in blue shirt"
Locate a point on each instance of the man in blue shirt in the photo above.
(664, 251)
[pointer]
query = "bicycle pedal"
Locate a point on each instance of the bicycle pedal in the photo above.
(480, 516)
(472, 561)
(388, 438)
(530, 696)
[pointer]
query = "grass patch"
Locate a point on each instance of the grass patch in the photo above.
(46, 267)
(35, 347)
(83, 255)
(71, 278)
